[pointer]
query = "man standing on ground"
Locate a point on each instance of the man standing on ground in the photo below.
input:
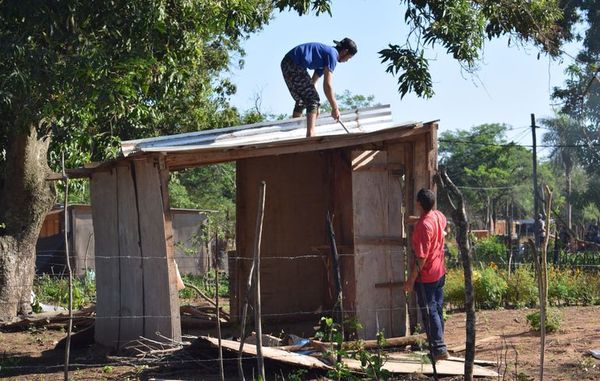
(322, 59)
(428, 271)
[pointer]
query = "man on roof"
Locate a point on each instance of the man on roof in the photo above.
(322, 59)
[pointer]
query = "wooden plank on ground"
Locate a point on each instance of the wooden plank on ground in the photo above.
(405, 363)
(106, 236)
(270, 353)
(462, 347)
(131, 308)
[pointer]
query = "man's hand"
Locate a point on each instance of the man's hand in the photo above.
(335, 114)
(408, 286)
(411, 220)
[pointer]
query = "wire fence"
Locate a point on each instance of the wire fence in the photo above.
(379, 313)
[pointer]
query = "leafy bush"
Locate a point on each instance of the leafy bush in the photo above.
(490, 250)
(586, 288)
(522, 288)
(561, 287)
(490, 288)
(454, 290)
(206, 284)
(553, 320)
(55, 291)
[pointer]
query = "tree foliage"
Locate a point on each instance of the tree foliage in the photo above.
(488, 169)
(580, 95)
(461, 28)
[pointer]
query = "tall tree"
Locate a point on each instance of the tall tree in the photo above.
(563, 134)
(580, 95)
(486, 167)
(89, 73)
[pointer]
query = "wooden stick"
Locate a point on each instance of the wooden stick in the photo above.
(257, 306)
(222, 372)
(338, 307)
(70, 272)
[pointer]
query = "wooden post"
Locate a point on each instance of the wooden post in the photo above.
(543, 281)
(70, 272)
(257, 307)
(252, 281)
(221, 371)
(459, 216)
(338, 309)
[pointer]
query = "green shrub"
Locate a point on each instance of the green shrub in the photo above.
(561, 287)
(490, 250)
(586, 288)
(454, 290)
(206, 284)
(522, 288)
(553, 319)
(489, 287)
(55, 291)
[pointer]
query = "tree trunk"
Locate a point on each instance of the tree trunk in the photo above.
(459, 217)
(26, 198)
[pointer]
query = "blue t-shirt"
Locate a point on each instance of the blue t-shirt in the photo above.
(314, 56)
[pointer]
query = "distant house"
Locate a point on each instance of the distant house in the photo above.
(191, 253)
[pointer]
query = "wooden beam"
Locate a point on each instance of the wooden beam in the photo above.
(105, 213)
(203, 156)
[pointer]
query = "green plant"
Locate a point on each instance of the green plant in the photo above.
(522, 288)
(490, 250)
(489, 287)
(330, 332)
(553, 320)
(372, 362)
(55, 290)
(454, 289)
(297, 375)
(206, 283)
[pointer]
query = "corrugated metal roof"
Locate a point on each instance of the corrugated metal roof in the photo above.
(357, 122)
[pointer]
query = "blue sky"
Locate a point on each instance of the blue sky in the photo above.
(511, 84)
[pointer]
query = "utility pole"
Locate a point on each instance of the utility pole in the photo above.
(536, 207)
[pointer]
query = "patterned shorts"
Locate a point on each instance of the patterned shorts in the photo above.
(301, 87)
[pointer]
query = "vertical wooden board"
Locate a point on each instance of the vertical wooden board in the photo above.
(83, 239)
(175, 317)
(130, 264)
(190, 253)
(396, 213)
(157, 297)
(293, 277)
(103, 191)
(372, 262)
(341, 191)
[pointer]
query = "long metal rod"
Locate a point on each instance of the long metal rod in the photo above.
(257, 306)
(70, 273)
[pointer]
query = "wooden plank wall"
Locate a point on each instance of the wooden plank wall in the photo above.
(103, 191)
(135, 276)
(424, 159)
(378, 227)
(297, 200)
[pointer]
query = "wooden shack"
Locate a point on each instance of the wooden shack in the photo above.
(366, 178)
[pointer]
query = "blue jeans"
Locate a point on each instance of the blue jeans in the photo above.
(434, 299)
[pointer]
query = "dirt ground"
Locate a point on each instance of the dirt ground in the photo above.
(31, 355)
(517, 349)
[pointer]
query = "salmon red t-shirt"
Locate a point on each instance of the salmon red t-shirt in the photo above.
(428, 243)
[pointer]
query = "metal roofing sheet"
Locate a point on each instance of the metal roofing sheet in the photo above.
(357, 122)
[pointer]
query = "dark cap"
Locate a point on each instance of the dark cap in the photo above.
(346, 43)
